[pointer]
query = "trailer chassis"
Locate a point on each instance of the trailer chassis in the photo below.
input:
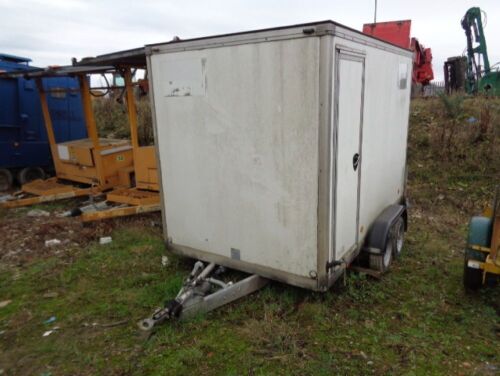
(197, 294)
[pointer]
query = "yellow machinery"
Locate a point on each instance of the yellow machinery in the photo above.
(91, 166)
(482, 255)
(144, 197)
(83, 167)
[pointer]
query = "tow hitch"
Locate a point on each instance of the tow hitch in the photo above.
(202, 292)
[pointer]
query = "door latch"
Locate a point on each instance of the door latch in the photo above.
(355, 161)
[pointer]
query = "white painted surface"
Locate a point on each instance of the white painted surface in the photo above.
(348, 143)
(239, 163)
(385, 130)
(183, 77)
(474, 264)
(239, 154)
(63, 152)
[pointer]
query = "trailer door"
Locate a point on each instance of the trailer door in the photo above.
(347, 145)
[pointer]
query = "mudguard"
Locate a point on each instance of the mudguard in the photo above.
(378, 233)
(479, 234)
(480, 231)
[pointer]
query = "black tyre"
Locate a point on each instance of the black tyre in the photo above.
(6, 179)
(382, 262)
(28, 174)
(473, 278)
(398, 230)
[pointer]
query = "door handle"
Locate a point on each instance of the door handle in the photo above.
(355, 161)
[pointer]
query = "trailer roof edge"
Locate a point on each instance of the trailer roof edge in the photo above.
(328, 24)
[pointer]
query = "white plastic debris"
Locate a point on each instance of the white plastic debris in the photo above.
(164, 260)
(94, 207)
(52, 242)
(38, 213)
(49, 332)
(105, 240)
(52, 294)
(4, 198)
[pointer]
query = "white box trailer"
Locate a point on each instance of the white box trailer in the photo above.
(282, 152)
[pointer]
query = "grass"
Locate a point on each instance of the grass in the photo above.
(416, 320)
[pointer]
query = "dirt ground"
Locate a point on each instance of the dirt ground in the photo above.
(24, 236)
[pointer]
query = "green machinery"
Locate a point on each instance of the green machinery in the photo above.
(480, 77)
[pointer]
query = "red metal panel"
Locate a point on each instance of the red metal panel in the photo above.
(398, 33)
(395, 32)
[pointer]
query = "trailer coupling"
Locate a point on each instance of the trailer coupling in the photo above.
(203, 292)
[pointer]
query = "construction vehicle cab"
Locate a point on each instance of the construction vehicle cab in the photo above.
(482, 255)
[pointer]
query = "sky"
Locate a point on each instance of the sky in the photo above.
(51, 32)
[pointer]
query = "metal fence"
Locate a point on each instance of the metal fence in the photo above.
(434, 88)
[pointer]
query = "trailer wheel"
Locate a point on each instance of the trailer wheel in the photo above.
(28, 174)
(6, 179)
(399, 236)
(382, 262)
